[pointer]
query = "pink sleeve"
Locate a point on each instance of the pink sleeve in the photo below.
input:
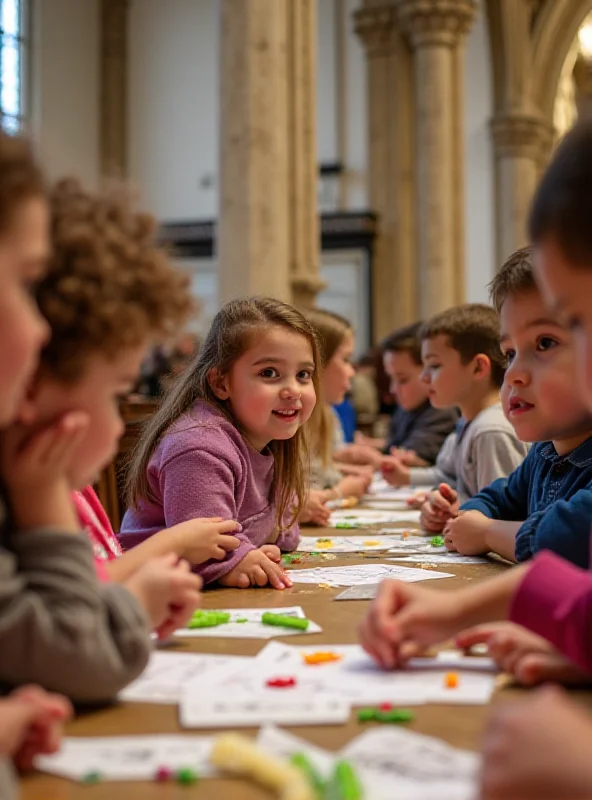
(555, 601)
(101, 569)
(288, 539)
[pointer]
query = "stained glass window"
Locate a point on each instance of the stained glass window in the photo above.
(13, 50)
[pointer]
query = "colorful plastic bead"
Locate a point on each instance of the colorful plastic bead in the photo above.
(186, 776)
(281, 683)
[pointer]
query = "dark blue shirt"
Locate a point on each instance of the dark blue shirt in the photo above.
(553, 494)
(422, 430)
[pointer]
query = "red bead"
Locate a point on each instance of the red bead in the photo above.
(281, 683)
(386, 706)
(163, 774)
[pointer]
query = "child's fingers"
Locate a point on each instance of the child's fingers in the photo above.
(276, 575)
(228, 526)
(258, 576)
(227, 543)
(480, 634)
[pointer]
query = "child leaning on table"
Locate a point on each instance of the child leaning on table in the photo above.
(58, 625)
(541, 747)
(228, 441)
(102, 320)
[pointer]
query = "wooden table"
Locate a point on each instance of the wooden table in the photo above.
(459, 725)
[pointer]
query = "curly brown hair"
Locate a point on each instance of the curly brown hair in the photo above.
(109, 285)
(21, 177)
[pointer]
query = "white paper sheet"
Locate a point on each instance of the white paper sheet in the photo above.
(128, 758)
(363, 517)
(405, 542)
(356, 574)
(439, 558)
(346, 544)
(253, 628)
(167, 674)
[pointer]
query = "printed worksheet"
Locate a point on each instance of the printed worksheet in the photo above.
(346, 544)
(357, 574)
(410, 543)
(128, 758)
(363, 517)
(168, 673)
(439, 558)
(366, 591)
(245, 623)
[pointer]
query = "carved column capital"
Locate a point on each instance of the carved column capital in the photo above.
(305, 289)
(376, 26)
(436, 22)
(522, 135)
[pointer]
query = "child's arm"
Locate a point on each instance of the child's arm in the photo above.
(495, 454)
(473, 534)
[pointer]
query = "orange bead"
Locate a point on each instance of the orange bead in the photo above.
(451, 680)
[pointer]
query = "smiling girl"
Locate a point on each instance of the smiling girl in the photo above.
(228, 441)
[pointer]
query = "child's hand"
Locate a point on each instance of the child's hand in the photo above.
(168, 591)
(35, 468)
(203, 539)
(417, 500)
(31, 724)
(256, 569)
(407, 457)
(529, 658)
(315, 510)
(441, 505)
(404, 619)
(273, 552)
(355, 485)
(467, 534)
(394, 471)
(539, 748)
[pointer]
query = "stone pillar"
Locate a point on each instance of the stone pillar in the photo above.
(253, 230)
(437, 29)
(303, 219)
(522, 144)
(113, 71)
(391, 157)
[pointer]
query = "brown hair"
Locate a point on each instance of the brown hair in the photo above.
(21, 176)
(561, 204)
(232, 332)
(515, 277)
(404, 340)
(331, 329)
(471, 329)
(109, 285)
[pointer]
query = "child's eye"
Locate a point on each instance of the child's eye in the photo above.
(304, 375)
(546, 343)
(509, 355)
(269, 372)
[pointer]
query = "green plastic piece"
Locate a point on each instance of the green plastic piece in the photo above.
(208, 619)
(320, 541)
(303, 763)
(92, 777)
(242, 619)
(186, 776)
(366, 714)
(437, 541)
(344, 783)
(396, 715)
(345, 525)
(314, 553)
(282, 621)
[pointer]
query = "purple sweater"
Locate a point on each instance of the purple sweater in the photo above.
(204, 468)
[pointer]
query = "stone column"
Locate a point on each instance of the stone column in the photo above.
(437, 29)
(253, 231)
(522, 144)
(391, 157)
(303, 218)
(113, 71)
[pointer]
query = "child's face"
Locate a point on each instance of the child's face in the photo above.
(270, 388)
(406, 380)
(339, 371)
(24, 250)
(450, 382)
(569, 293)
(98, 392)
(538, 392)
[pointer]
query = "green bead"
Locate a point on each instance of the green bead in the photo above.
(92, 777)
(366, 714)
(437, 541)
(187, 776)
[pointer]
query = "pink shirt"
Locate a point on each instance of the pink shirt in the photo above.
(555, 601)
(97, 527)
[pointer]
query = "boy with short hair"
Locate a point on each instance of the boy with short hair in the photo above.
(547, 502)
(417, 429)
(464, 367)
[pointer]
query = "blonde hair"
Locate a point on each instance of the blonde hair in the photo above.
(232, 332)
(331, 330)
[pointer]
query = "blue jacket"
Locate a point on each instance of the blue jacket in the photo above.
(553, 494)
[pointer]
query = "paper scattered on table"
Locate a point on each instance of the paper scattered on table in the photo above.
(405, 542)
(363, 517)
(439, 558)
(346, 544)
(366, 591)
(357, 574)
(167, 674)
(128, 758)
(253, 628)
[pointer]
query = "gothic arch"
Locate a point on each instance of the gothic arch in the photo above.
(556, 26)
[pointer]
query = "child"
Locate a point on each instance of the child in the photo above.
(336, 339)
(417, 429)
(547, 502)
(92, 358)
(464, 367)
(551, 597)
(228, 441)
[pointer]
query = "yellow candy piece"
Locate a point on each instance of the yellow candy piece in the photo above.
(323, 544)
(371, 544)
(321, 657)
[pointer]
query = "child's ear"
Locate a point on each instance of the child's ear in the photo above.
(218, 384)
(482, 365)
